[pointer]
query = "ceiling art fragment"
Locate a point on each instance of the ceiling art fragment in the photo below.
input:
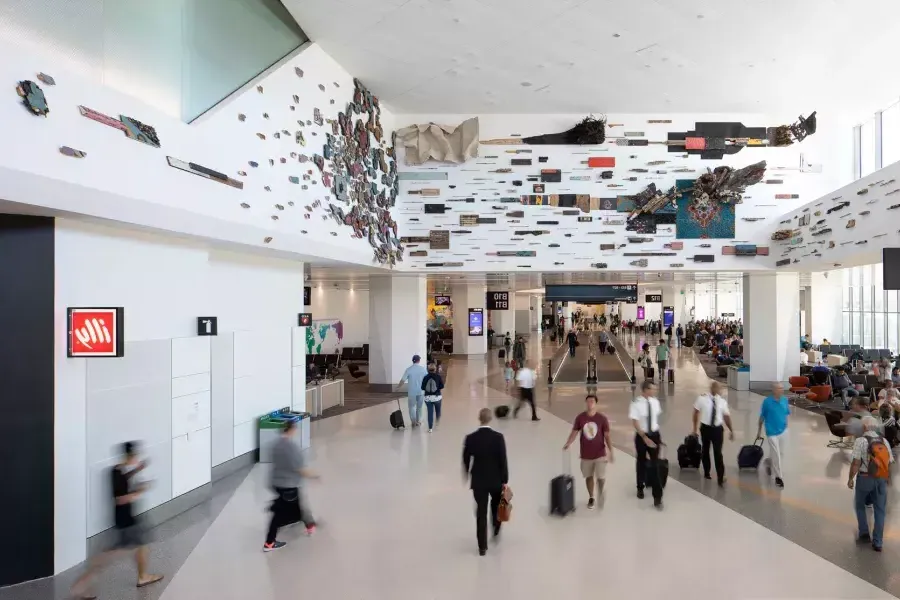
(589, 131)
(33, 98)
(445, 143)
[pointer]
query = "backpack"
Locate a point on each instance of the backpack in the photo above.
(879, 465)
(431, 387)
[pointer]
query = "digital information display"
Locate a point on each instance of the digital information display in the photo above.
(591, 294)
(640, 313)
(442, 300)
(668, 316)
(497, 301)
(307, 295)
(653, 298)
(476, 321)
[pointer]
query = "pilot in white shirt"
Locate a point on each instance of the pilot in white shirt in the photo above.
(644, 413)
(710, 414)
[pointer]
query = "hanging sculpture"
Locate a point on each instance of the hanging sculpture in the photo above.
(33, 98)
(589, 131)
(445, 143)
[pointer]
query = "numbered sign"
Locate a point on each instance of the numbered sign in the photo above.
(497, 301)
(207, 326)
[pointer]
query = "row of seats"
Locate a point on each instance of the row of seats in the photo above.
(869, 355)
(358, 354)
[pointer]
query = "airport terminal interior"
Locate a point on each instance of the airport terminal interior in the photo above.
(235, 235)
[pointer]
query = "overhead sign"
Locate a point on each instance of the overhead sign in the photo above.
(653, 298)
(96, 332)
(497, 301)
(307, 295)
(727, 314)
(591, 294)
(442, 301)
(207, 326)
(304, 319)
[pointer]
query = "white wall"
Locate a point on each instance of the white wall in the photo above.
(131, 182)
(350, 306)
(164, 285)
(475, 179)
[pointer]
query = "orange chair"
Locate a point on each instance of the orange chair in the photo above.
(819, 393)
(799, 386)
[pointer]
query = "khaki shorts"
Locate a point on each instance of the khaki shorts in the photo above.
(594, 468)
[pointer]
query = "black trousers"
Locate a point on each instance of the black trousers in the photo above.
(481, 512)
(527, 395)
(646, 466)
(713, 436)
(287, 510)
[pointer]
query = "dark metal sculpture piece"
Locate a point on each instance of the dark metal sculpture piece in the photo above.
(72, 152)
(33, 98)
(202, 171)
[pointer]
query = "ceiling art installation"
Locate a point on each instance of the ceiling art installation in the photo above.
(33, 98)
(46, 79)
(72, 152)
(132, 128)
(715, 140)
(589, 131)
(444, 143)
(202, 171)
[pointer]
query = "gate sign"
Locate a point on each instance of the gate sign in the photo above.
(497, 301)
(653, 298)
(96, 332)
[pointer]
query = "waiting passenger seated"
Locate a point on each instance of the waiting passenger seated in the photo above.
(842, 385)
(889, 425)
(820, 373)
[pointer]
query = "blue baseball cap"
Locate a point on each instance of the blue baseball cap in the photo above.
(416, 358)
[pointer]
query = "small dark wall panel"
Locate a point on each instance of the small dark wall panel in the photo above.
(26, 397)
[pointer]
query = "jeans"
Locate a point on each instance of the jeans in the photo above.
(713, 436)
(415, 408)
(848, 393)
(481, 509)
(571, 349)
(680, 341)
(647, 469)
(874, 490)
(434, 408)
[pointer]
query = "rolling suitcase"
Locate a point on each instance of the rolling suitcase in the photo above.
(501, 354)
(671, 374)
(662, 468)
(562, 491)
(689, 453)
(501, 412)
(397, 417)
(750, 456)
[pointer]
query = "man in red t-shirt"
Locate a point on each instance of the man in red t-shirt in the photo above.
(594, 429)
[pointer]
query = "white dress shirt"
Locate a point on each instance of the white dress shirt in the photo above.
(704, 404)
(638, 411)
(525, 378)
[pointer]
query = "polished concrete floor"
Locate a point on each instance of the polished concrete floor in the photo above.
(396, 517)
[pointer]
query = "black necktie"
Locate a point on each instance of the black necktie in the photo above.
(712, 420)
(649, 414)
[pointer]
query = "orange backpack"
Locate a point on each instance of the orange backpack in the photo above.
(879, 465)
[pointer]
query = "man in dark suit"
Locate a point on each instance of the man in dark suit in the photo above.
(484, 460)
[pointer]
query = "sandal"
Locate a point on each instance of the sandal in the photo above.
(153, 579)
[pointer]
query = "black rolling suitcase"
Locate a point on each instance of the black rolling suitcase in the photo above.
(751, 455)
(501, 412)
(397, 417)
(501, 354)
(562, 491)
(671, 375)
(690, 453)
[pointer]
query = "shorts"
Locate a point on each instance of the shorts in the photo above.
(133, 536)
(594, 468)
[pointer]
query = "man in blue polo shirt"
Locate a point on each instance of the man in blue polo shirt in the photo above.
(413, 376)
(774, 415)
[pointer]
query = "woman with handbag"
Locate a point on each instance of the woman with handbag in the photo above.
(432, 385)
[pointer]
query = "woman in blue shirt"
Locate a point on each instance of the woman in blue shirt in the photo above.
(774, 415)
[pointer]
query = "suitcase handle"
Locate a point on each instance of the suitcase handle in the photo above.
(567, 463)
(759, 439)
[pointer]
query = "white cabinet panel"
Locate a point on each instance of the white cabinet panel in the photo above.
(190, 356)
(245, 437)
(298, 346)
(190, 384)
(190, 413)
(191, 462)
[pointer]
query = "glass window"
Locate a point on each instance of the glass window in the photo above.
(855, 329)
(845, 328)
(867, 341)
(866, 293)
(879, 339)
(890, 134)
(854, 298)
(877, 284)
(892, 333)
(892, 300)
(867, 147)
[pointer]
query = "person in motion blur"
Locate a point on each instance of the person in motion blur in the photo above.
(288, 472)
(596, 448)
(432, 386)
(131, 531)
(485, 467)
(774, 416)
(413, 376)
(711, 413)
(526, 380)
(644, 413)
(572, 339)
(870, 476)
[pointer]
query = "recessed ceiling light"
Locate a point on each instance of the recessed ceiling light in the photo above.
(526, 84)
(699, 16)
(616, 35)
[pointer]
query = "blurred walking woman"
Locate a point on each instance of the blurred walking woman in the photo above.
(432, 385)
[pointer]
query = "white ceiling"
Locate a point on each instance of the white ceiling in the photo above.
(606, 56)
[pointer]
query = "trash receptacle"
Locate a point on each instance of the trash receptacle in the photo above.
(302, 437)
(270, 427)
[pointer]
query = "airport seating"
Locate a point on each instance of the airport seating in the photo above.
(819, 393)
(833, 419)
(799, 386)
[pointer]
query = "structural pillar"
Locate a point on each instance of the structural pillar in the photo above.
(504, 321)
(771, 327)
(468, 297)
(397, 327)
(824, 306)
(535, 312)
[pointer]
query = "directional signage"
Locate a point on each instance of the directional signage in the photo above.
(497, 301)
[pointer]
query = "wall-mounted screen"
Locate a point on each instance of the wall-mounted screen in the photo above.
(668, 316)
(442, 300)
(476, 321)
(890, 262)
(640, 313)
(591, 294)
(307, 295)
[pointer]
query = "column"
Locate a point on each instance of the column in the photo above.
(824, 304)
(466, 297)
(504, 321)
(397, 325)
(771, 327)
(535, 311)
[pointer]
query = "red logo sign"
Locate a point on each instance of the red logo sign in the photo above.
(94, 332)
